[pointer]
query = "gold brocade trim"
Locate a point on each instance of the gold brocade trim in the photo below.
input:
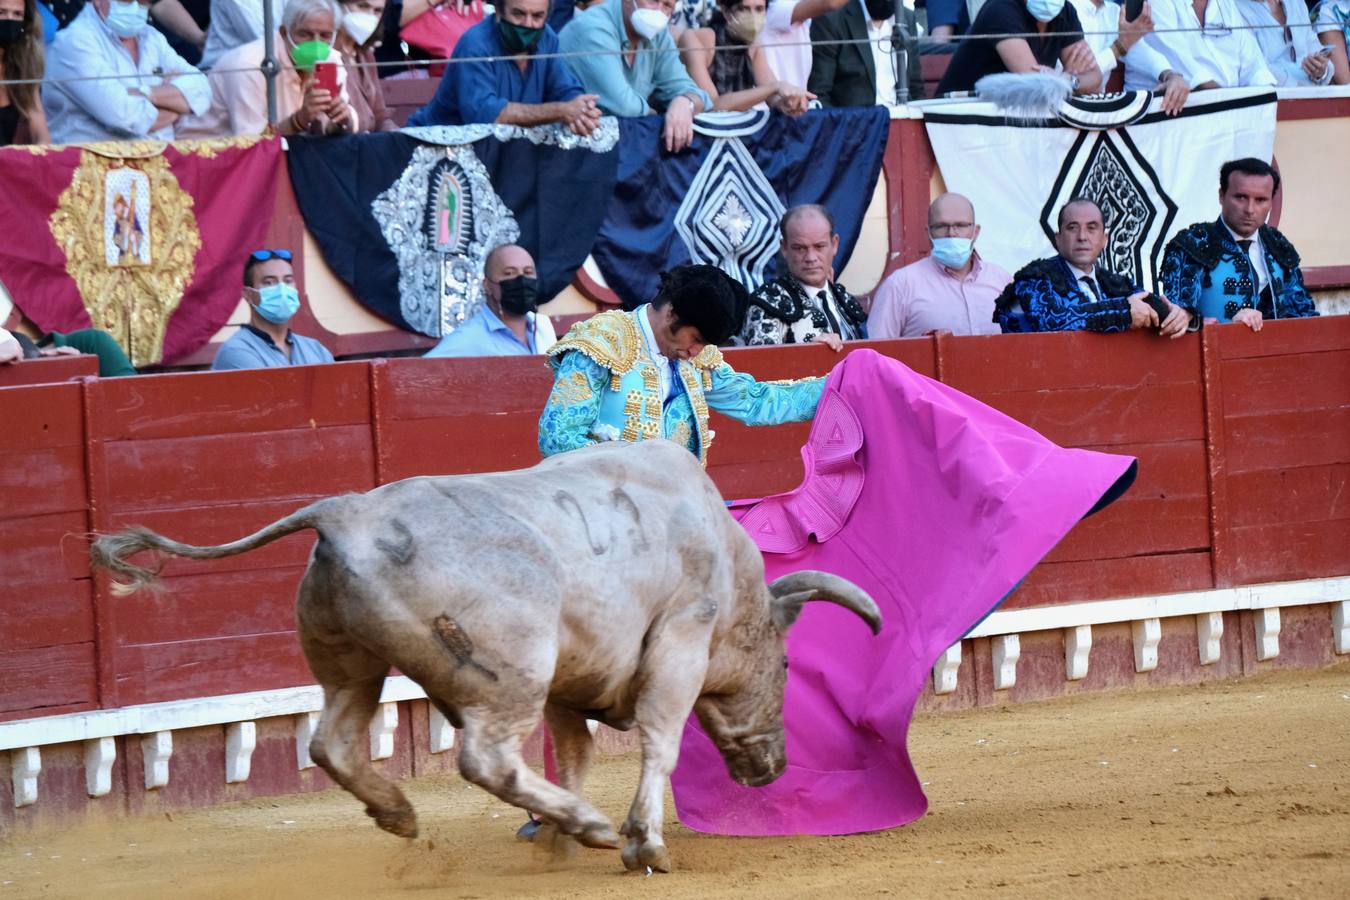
(651, 386)
(571, 390)
(708, 358)
(610, 339)
(153, 245)
(126, 149)
(681, 434)
(213, 147)
(632, 411)
(688, 374)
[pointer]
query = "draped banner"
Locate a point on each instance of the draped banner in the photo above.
(1152, 174)
(142, 239)
(719, 201)
(406, 219)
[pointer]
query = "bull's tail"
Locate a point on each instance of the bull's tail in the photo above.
(111, 551)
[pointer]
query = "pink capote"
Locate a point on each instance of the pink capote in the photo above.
(937, 506)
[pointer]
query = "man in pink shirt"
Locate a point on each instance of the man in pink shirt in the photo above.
(951, 289)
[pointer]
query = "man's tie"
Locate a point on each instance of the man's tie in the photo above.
(1246, 245)
(1091, 286)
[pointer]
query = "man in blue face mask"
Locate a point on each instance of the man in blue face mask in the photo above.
(266, 340)
(952, 289)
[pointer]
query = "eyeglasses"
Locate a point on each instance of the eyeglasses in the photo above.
(265, 255)
(947, 229)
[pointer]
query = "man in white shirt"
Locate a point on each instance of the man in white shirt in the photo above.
(853, 58)
(110, 76)
(1112, 36)
(1285, 32)
(786, 38)
(1211, 49)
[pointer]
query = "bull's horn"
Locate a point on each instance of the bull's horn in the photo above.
(792, 591)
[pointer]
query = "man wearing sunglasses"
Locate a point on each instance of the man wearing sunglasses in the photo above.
(266, 340)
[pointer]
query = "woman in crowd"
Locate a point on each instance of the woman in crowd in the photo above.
(1333, 30)
(726, 61)
(21, 60)
(1285, 33)
(357, 39)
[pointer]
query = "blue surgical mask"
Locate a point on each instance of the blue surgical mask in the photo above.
(952, 252)
(277, 303)
(1044, 10)
(127, 20)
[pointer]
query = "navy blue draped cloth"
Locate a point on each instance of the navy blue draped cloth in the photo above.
(829, 156)
(557, 197)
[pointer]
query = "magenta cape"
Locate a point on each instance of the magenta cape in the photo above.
(937, 506)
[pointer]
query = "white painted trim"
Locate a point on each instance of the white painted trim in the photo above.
(99, 756)
(226, 709)
(25, 764)
(1146, 634)
(1164, 606)
(442, 733)
(1267, 624)
(156, 750)
(1007, 649)
(1340, 626)
(241, 739)
(382, 727)
(1209, 636)
(1077, 649)
(305, 726)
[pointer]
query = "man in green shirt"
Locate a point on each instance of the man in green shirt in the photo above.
(112, 359)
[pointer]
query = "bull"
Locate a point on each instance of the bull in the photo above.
(609, 583)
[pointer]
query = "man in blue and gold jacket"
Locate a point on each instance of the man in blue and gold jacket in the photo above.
(1238, 269)
(656, 371)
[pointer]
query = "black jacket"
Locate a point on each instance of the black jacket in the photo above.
(845, 74)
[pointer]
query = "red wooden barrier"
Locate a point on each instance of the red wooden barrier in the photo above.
(1243, 441)
(48, 370)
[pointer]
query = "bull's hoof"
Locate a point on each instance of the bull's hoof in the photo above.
(600, 835)
(401, 821)
(637, 857)
(562, 847)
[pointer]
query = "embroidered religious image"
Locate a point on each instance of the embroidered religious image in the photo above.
(450, 218)
(126, 217)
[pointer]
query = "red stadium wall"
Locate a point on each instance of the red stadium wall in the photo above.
(1243, 441)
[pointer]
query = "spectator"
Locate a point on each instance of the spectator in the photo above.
(806, 305)
(1211, 49)
(946, 19)
(179, 26)
(860, 73)
(1238, 268)
(1333, 30)
(737, 76)
(21, 51)
(10, 350)
(235, 23)
(356, 41)
(608, 37)
(1285, 35)
(112, 359)
(1112, 37)
(1060, 41)
(523, 90)
(266, 340)
(508, 322)
(952, 289)
(111, 77)
(239, 91)
(1073, 292)
(690, 14)
(786, 39)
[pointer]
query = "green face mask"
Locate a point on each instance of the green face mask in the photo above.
(310, 52)
(518, 38)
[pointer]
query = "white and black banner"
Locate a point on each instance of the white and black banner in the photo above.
(1152, 174)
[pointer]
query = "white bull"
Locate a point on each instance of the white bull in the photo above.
(608, 583)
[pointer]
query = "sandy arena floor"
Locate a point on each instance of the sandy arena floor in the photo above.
(1235, 790)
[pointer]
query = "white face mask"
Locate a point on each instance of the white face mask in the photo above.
(360, 26)
(649, 22)
(1044, 10)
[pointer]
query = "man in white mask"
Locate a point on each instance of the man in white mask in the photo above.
(110, 76)
(1023, 36)
(607, 39)
(952, 289)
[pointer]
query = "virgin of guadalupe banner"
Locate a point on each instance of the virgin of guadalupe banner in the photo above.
(407, 219)
(719, 200)
(1152, 174)
(143, 239)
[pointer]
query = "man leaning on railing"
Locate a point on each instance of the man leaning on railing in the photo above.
(1054, 35)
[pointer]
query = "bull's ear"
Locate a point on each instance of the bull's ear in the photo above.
(791, 592)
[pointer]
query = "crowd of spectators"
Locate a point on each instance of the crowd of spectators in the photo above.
(126, 69)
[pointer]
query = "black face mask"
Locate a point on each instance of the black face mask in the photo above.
(11, 32)
(519, 295)
(880, 10)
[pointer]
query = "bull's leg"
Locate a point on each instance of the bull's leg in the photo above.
(572, 746)
(673, 682)
(490, 757)
(352, 678)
